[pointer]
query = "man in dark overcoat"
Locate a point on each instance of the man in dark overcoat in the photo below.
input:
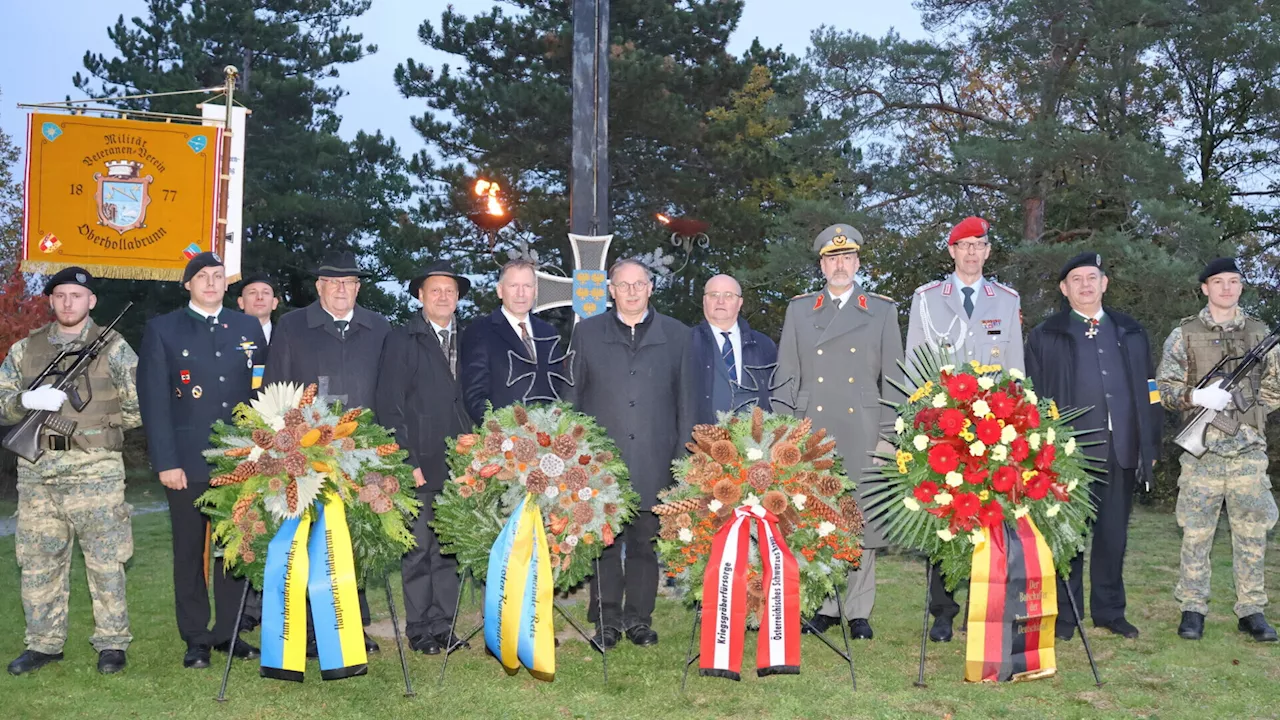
(335, 343)
(735, 363)
(195, 365)
(507, 357)
(419, 396)
(1097, 357)
(632, 369)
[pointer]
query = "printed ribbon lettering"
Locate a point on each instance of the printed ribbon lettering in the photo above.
(518, 596)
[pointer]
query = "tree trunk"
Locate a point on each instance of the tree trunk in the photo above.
(1032, 219)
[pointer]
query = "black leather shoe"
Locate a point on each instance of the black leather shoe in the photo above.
(642, 635)
(818, 624)
(860, 629)
(244, 650)
(1255, 625)
(1192, 626)
(941, 630)
(606, 638)
(371, 645)
(451, 642)
(1120, 627)
(110, 661)
(30, 661)
(425, 644)
(197, 657)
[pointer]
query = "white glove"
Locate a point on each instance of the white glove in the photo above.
(45, 397)
(1212, 397)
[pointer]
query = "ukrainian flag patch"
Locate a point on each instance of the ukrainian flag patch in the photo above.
(257, 376)
(1153, 392)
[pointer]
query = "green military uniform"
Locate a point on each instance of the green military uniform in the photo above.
(1233, 471)
(74, 492)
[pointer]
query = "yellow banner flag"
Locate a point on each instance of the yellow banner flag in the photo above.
(120, 198)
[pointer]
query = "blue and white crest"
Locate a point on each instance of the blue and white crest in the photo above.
(198, 143)
(589, 292)
(50, 131)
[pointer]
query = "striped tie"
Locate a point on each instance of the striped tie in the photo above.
(726, 352)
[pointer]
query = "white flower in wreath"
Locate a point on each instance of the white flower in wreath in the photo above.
(981, 408)
(551, 491)
(947, 368)
(552, 465)
(715, 505)
(1031, 396)
(752, 500)
(255, 453)
(523, 478)
(943, 498)
(1050, 436)
(572, 540)
(912, 504)
(275, 400)
(954, 479)
(754, 454)
(946, 535)
(475, 464)
(1017, 374)
(1070, 447)
(1053, 510)
(825, 528)
(920, 441)
(978, 448)
(309, 486)
(508, 445)
(1021, 512)
(977, 536)
(1033, 441)
(899, 426)
(999, 453)
(799, 499)
(1071, 486)
(986, 383)
(584, 494)
(686, 535)
(940, 400)
(1008, 433)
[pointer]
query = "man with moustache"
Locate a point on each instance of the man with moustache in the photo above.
(334, 343)
(197, 363)
(839, 348)
(1097, 357)
(75, 489)
(632, 369)
(420, 397)
(735, 363)
(506, 357)
(258, 299)
(965, 317)
(1233, 471)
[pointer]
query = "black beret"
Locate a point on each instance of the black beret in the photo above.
(1221, 265)
(200, 262)
(69, 276)
(258, 277)
(1084, 259)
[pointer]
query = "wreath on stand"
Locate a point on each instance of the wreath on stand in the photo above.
(780, 464)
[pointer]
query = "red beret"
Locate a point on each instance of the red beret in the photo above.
(970, 227)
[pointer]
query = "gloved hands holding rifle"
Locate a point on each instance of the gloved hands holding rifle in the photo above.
(45, 397)
(1212, 397)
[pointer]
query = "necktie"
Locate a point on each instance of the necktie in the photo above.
(342, 327)
(968, 300)
(527, 339)
(448, 352)
(730, 362)
(839, 303)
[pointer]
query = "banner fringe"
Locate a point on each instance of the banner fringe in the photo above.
(118, 272)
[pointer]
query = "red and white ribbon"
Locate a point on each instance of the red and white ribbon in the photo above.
(724, 599)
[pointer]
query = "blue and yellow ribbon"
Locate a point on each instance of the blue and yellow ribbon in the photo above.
(519, 592)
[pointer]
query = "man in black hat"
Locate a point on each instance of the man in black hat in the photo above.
(420, 397)
(1096, 357)
(334, 343)
(258, 299)
(75, 489)
(197, 363)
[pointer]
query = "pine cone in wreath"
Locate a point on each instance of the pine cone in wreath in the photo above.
(295, 463)
(294, 418)
(565, 447)
(800, 430)
(679, 506)
(291, 496)
(263, 438)
(326, 435)
(824, 464)
(388, 449)
(522, 415)
(309, 395)
(815, 438)
(241, 508)
(757, 424)
(350, 415)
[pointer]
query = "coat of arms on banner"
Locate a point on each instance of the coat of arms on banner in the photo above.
(589, 292)
(122, 196)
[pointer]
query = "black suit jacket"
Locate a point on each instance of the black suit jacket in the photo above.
(418, 397)
(191, 374)
(495, 367)
(306, 346)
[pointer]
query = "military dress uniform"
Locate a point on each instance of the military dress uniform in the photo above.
(193, 370)
(1233, 470)
(75, 489)
(834, 363)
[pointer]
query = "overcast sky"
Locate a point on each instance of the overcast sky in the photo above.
(39, 58)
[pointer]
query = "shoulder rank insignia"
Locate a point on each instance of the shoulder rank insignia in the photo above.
(1003, 287)
(817, 305)
(946, 289)
(885, 298)
(862, 301)
(986, 287)
(927, 287)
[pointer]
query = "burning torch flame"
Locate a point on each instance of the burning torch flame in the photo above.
(489, 190)
(664, 219)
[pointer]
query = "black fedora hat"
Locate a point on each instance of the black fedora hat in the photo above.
(340, 264)
(439, 268)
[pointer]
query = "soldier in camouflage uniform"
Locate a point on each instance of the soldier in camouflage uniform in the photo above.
(76, 488)
(1234, 469)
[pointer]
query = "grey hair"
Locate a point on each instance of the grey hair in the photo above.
(517, 264)
(613, 269)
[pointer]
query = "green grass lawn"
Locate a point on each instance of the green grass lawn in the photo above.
(1158, 675)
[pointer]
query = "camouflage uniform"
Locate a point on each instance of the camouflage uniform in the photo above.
(1234, 470)
(69, 493)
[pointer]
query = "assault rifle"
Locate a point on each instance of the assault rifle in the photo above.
(1191, 437)
(24, 439)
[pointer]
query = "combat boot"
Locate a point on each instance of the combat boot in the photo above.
(1256, 626)
(111, 661)
(30, 661)
(1192, 625)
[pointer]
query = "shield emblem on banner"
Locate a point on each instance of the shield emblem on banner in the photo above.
(589, 294)
(122, 196)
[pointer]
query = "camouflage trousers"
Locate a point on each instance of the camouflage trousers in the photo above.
(50, 517)
(1205, 485)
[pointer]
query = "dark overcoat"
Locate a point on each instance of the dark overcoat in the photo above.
(495, 367)
(306, 347)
